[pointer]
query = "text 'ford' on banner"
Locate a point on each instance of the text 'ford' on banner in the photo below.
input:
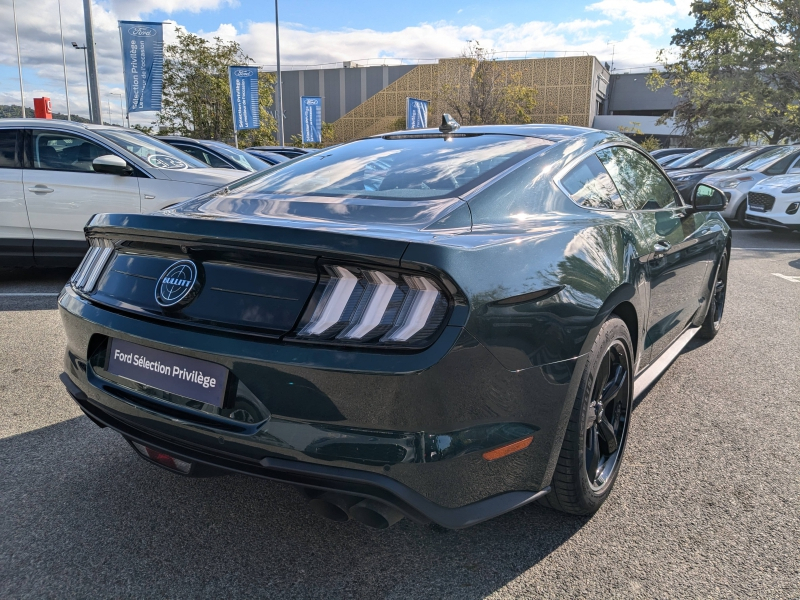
(143, 63)
(311, 109)
(244, 97)
(416, 113)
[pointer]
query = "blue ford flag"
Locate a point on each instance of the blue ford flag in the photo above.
(416, 113)
(143, 64)
(244, 97)
(311, 109)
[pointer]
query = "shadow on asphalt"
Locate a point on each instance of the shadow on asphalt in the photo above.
(101, 521)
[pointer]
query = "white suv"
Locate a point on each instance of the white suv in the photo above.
(775, 203)
(54, 175)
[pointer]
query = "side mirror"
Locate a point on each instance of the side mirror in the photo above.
(794, 171)
(707, 198)
(112, 165)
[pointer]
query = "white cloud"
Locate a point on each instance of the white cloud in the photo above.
(653, 17)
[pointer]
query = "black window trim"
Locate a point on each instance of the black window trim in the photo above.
(594, 150)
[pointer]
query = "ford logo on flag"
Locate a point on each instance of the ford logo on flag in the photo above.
(312, 101)
(142, 31)
(241, 73)
(177, 285)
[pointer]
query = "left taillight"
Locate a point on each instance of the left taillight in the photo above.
(85, 277)
(361, 306)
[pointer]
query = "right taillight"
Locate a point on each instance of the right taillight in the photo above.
(375, 307)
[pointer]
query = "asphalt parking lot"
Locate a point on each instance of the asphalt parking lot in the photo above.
(707, 503)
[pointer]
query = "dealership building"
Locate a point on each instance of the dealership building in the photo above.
(365, 99)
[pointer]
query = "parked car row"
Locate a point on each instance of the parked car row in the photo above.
(746, 176)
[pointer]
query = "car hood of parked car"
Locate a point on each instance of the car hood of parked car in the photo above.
(696, 172)
(210, 177)
(777, 184)
(723, 177)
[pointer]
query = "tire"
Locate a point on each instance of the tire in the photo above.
(740, 214)
(716, 307)
(587, 445)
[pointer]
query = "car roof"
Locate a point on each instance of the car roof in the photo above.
(554, 133)
(45, 123)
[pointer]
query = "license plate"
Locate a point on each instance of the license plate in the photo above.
(189, 377)
(757, 208)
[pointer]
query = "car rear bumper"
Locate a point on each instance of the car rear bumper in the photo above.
(413, 439)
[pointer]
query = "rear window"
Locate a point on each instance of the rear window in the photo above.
(399, 167)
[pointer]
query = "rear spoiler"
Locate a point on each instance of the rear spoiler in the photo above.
(353, 243)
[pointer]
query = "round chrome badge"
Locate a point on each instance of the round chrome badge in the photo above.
(177, 285)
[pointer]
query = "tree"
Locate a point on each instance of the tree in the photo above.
(736, 72)
(487, 91)
(196, 98)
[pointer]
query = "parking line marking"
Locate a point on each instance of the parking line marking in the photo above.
(19, 294)
(791, 278)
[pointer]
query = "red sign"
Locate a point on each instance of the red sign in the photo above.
(42, 108)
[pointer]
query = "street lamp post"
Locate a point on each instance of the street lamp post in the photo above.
(19, 59)
(86, 66)
(64, 60)
(279, 90)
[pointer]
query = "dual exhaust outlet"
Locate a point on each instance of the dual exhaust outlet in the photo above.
(342, 507)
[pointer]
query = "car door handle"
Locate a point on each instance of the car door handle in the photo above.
(40, 189)
(661, 247)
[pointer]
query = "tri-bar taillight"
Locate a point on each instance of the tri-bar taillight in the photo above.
(370, 306)
(90, 269)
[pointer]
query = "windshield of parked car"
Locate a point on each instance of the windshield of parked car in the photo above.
(764, 161)
(669, 159)
(248, 161)
(730, 160)
(154, 152)
(689, 158)
(399, 167)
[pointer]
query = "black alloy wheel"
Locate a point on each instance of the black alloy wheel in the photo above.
(716, 307)
(594, 442)
(607, 417)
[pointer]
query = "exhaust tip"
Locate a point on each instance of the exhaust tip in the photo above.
(375, 514)
(333, 506)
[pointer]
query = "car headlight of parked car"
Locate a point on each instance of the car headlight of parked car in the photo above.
(791, 190)
(732, 184)
(686, 178)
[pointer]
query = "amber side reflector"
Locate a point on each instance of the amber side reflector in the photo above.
(508, 449)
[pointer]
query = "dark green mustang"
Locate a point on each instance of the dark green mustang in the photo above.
(442, 324)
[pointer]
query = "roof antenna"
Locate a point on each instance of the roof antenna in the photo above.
(449, 124)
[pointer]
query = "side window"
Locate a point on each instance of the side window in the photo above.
(8, 149)
(206, 157)
(64, 152)
(640, 183)
(589, 185)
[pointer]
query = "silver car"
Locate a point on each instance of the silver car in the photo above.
(54, 175)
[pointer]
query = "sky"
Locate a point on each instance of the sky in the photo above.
(316, 32)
